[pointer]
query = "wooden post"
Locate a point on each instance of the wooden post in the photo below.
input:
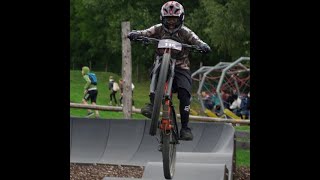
(137, 73)
(126, 71)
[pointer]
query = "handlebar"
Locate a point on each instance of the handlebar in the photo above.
(148, 40)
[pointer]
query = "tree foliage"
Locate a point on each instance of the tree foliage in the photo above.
(95, 26)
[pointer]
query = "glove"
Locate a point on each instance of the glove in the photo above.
(133, 35)
(205, 48)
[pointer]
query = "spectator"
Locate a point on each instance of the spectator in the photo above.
(113, 87)
(216, 104)
(225, 96)
(231, 98)
(90, 89)
(235, 106)
(245, 106)
(206, 99)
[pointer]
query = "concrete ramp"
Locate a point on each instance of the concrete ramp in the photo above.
(127, 142)
(187, 171)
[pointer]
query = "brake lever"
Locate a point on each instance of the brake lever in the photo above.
(145, 41)
(197, 49)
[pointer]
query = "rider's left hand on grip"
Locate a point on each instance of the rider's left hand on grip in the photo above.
(205, 48)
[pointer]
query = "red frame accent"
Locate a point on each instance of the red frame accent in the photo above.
(166, 123)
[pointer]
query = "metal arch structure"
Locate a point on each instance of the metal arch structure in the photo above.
(223, 69)
(205, 70)
(237, 62)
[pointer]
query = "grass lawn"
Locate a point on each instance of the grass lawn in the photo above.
(243, 157)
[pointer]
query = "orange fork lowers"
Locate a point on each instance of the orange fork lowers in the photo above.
(166, 122)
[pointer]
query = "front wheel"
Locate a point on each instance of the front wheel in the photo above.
(162, 78)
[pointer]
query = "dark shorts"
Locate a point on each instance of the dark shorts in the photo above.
(182, 79)
(92, 95)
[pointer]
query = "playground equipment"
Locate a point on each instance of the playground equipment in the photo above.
(221, 81)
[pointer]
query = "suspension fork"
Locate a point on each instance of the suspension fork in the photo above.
(154, 75)
(166, 122)
(168, 92)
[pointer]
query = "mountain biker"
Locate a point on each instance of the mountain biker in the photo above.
(171, 27)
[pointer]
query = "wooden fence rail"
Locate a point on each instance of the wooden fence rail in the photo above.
(134, 110)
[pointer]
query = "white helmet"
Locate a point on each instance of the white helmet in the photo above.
(172, 9)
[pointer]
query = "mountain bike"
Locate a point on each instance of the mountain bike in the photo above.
(161, 86)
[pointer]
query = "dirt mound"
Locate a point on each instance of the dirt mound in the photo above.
(99, 171)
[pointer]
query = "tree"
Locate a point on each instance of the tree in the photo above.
(95, 27)
(228, 25)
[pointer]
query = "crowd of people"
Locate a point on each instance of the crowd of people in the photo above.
(91, 90)
(238, 103)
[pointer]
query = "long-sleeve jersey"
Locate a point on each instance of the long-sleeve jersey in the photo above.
(183, 35)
